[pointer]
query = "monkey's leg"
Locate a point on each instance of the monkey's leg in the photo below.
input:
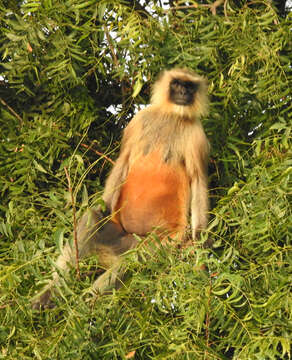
(107, 241)
(111, 252)
(87, 238)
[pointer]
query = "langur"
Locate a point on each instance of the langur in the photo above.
(158, 180)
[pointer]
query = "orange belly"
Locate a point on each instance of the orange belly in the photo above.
(155, 195)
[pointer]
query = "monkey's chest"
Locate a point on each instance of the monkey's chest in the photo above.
(154, 195)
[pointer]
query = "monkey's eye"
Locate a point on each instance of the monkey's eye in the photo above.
(175, 82)
(191, 85)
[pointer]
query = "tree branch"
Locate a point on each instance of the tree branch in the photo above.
(109, 40)
(212, 7)
(98, 153)
(74, 223)
(138, 7)
(11, 110)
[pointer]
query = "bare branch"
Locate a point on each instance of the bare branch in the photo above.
(98, 153)
(109, 40)
(11, 110)
(74, 223)
(212, 7)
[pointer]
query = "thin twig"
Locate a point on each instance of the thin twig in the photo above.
(225, 8)
(115, 59)
(182, 7)
(11, 110)
(74, 223)
(98, 153)
(208, 315)
(212, 7)
(108, 37)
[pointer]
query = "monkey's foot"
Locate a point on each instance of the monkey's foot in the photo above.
(43, 301)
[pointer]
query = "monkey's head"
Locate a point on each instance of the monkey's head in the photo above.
(181, 92)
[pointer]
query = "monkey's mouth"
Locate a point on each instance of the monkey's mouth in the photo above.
(183, 101)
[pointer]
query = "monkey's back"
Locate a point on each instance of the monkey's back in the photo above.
(154, 196)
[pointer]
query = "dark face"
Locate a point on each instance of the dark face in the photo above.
(182, 92)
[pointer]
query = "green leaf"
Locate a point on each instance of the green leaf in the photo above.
(39, 167)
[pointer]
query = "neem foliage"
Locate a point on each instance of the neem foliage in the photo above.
(72, 75)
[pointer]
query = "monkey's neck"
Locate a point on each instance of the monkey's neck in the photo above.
(169, 133)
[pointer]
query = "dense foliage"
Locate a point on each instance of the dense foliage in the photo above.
(72, 74)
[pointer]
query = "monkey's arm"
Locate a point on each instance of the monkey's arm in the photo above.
(120, 170)
(199, 204)
(115, 180)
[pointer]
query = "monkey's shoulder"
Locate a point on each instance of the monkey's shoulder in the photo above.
(147, 115)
